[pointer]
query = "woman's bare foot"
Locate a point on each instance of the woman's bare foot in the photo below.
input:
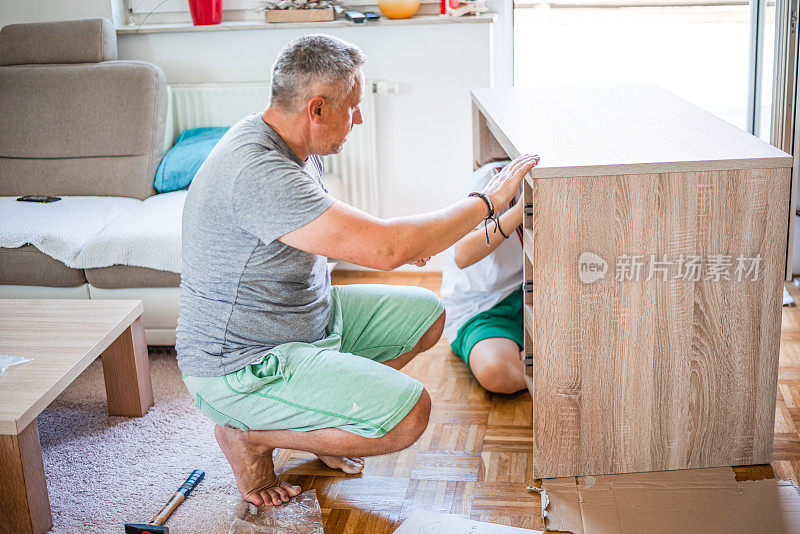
(253, 468)
(352, 465)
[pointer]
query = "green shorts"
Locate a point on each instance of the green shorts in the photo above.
(337, 381)
(504, 319)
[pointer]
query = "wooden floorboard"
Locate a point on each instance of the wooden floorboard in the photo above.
(786, 449)
(474, 459)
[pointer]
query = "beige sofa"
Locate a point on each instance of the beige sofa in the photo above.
(79, 122)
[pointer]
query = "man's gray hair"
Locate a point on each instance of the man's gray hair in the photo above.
(308, 61)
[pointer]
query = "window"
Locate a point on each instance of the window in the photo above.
(697, 49)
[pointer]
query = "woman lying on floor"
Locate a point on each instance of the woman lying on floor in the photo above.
(482, 292)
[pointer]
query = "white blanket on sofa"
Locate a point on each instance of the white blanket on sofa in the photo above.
(148, 236)
(90, 232)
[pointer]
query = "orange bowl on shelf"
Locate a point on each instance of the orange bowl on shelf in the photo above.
(398, 9)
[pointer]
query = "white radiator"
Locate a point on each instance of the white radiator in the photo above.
(223, 104)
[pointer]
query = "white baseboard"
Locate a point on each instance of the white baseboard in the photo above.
(160, 303)
(160, 316)
(160, 336)
(9, 291)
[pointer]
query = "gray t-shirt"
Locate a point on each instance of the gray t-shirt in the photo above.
(243, 291)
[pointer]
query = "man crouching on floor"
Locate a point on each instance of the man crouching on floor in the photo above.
(269, 351)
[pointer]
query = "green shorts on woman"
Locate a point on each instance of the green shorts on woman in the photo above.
(504, 319)
(338, 381)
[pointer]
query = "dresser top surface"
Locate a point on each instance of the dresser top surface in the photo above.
(618, 129)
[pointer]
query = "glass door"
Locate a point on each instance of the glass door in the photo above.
(734, 58)
(697, 49)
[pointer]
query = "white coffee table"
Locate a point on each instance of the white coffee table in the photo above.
(61, 337)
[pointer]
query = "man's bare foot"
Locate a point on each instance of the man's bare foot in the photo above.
(253, 468)
(352, 465)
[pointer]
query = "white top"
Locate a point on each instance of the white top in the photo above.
(467, 292)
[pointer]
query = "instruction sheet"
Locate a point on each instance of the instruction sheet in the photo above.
(422, 522)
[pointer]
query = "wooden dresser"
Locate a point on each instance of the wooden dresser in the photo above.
(654, 254)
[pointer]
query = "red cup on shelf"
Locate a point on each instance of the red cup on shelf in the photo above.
(205, 12)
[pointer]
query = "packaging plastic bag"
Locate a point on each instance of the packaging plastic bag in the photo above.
(7, 361)
(301, 515)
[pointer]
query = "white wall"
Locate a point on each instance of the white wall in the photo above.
(21, 11)
(424, 133)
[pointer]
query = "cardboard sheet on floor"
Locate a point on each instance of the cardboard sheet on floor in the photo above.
(422, 522)
(693, 500)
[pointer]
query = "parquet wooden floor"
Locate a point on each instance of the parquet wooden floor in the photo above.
(474, 458)
(786, 449)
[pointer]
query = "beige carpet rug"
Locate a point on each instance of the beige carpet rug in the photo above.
(105, 471)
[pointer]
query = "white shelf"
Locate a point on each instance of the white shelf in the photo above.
(485, 18)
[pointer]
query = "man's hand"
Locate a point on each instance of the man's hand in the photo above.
(345, 233)
(503, 185)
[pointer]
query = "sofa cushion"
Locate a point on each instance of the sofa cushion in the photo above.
(179, 165)
(100, 133)
(103, 109)
(68, 41)
(27, 266)
(122, 276)
(75, 176)
(104, 122)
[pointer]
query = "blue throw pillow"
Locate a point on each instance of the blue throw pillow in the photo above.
(178, 167)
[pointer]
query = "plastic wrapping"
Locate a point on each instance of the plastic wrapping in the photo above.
(301, 515)
(7, 361)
